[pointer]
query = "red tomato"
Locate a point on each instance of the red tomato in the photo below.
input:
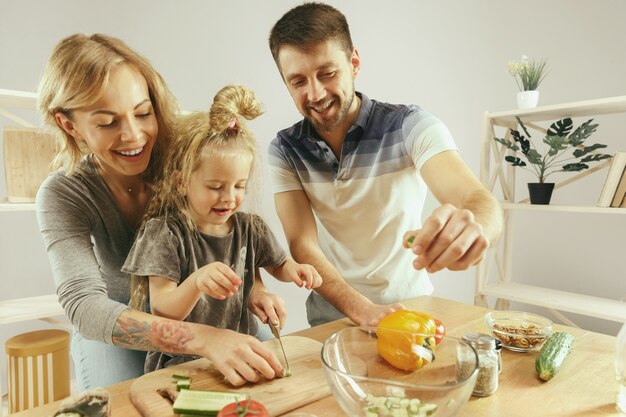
(440, 331)
(249, 408)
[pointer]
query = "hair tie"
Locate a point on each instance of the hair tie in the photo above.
(233, 124)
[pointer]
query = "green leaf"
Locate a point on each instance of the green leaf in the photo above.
(534, 157)
(582, 132)
(574, 167)
(515, 161)
(561, 127)
(556, 143)
(508, 144)
(524, 143)
(584, 151)
(519, 121)
(595, 158)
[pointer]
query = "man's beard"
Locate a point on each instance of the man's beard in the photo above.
(329, 125)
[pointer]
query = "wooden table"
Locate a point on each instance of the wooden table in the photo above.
(584, 387)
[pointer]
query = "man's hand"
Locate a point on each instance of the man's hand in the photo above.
(449, 238)
(371, 314)
(267, 306)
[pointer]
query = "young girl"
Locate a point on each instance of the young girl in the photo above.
(201, 254)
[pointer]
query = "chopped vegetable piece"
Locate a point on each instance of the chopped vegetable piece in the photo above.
(204, 402)
(396, 406)
(248, 408)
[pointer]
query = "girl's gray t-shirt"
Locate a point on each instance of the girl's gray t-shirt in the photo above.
(167, 248)
(87, 240)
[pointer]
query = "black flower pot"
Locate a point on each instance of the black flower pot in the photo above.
(540, 192)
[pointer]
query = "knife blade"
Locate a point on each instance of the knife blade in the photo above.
(276, 333)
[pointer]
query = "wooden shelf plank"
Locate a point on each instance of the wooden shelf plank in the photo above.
(31, 308)
(601, 106)
(562, 208)
(559, 300)
(6, 206)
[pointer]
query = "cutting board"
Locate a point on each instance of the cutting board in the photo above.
(281, 395)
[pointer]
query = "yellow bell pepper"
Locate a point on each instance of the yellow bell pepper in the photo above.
(397, 348)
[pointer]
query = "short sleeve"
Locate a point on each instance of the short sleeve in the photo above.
(268, 251)
(425, 136)
(283, 173)
(154, 252)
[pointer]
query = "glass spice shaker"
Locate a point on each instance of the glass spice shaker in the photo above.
(488, 363)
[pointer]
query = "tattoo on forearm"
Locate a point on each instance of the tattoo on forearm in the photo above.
(160, 335)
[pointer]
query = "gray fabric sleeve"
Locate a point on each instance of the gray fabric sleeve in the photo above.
(80, 286)
(267, 250)
(154, 252)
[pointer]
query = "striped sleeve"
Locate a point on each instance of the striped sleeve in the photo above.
(282, 173)
(425, 136)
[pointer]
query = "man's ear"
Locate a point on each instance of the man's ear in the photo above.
(180, 187)
(355, 60)
(67, 125)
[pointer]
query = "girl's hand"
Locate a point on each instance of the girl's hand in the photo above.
(302, 274)
(267, 306)
(217, 280)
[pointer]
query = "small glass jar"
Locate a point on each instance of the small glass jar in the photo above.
(488, 363)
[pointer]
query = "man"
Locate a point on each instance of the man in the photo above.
(350, 179)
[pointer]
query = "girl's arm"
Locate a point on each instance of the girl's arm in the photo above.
(168, 299)
(299, 274)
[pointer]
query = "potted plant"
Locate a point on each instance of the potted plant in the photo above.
(559, 140)
(528, 75)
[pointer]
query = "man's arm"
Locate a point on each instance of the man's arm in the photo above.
(457, 234)
(296, 216)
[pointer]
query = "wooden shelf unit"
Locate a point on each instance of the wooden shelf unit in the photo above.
(495, 173)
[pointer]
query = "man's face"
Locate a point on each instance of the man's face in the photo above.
(320, 80)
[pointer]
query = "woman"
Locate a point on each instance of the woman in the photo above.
(113, 116)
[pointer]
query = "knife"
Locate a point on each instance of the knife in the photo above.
(276, 333)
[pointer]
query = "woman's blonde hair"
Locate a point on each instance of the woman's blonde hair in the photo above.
(76, 76)
(222, 130)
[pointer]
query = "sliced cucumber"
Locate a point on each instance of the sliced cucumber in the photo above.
(397, 406)
(206, 403)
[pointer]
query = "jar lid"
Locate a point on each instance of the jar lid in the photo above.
(480, 340)
(37, 343)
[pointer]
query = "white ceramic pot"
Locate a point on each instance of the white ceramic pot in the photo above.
(527, 99)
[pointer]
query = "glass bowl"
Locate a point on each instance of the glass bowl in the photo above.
(365, 384)
(519, 331)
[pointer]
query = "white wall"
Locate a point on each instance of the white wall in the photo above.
(448, 56)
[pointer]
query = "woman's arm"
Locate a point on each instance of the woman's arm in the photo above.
(237, 356)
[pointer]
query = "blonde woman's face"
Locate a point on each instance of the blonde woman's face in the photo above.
(120, 128)
(217, 189)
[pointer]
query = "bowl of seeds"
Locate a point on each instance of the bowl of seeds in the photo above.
(519, 331)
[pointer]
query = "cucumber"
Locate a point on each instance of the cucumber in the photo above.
(552, 354)
(205, 403)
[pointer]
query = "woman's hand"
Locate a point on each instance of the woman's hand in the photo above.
(267, 306)
(241, 358)
(217, 280)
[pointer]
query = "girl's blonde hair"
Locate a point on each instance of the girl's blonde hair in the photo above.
(76, 76)
(218, 131)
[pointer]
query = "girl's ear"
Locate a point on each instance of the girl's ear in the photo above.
(67, 125)
(180, 187)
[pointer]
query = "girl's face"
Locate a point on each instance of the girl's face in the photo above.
(217, 189)
(120, 128)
